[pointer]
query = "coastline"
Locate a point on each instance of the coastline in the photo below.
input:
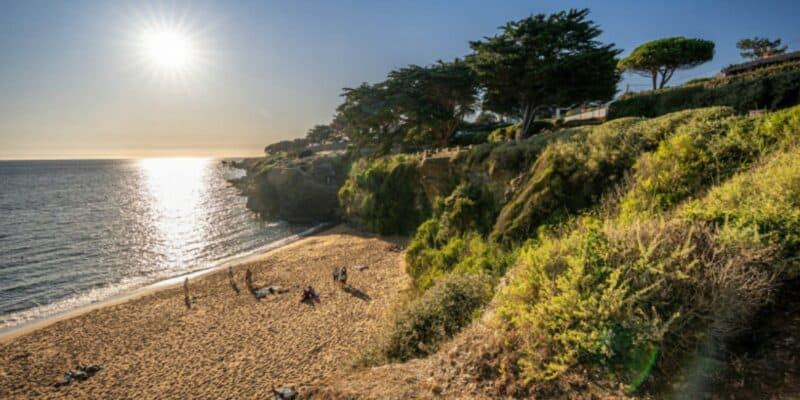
(227, 344)
(9, 333)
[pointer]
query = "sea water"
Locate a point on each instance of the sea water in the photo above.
(74, 233)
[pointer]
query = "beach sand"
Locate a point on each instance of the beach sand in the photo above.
(227, 346)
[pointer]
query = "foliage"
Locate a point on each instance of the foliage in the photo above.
(772, 91)
(697, 81)
(453, 239)
(384, 195)
(286, 145)
(367, 118)
(417, 105)
(758, 47)
(504, 134)
(435, 316)
(543, 62)
(701, 154)
(433, 100)
(322, 134)
(611, 296)
(663, 57)
(766, 200)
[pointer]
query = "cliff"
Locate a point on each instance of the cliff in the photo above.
(297, 190)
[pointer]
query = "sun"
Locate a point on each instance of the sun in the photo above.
(168, 49)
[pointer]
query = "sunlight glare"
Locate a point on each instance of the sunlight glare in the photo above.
(177, 190)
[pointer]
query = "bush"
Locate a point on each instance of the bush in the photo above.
(573, 174)
(453, 239)
(773, 91)
(701, 154)
(510, 132)
(766, 201)
(504, 134)
(619, 297)
(470, 138)
(385, 195)
(437, 315)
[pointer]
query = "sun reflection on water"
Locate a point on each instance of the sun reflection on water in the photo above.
(177, 189)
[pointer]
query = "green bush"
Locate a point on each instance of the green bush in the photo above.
(573, 174)
(385, 195)
(701, 154)
(510, 132)
(773, 91)
(504, 134)
(621, 297)
(765, 200)
(453, 239)
(435, 316)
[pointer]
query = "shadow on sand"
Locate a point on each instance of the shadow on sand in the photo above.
(356, 293)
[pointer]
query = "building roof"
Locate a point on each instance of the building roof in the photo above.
(760, 63)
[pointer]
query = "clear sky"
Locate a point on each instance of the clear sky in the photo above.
(75, 81)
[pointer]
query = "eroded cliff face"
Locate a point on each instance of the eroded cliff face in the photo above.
(301, 190)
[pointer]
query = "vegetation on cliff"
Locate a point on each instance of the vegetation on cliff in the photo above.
(628, 249)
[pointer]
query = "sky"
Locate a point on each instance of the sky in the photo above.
(76, 80)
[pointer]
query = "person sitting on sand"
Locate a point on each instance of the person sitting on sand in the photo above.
(287, 393)
(232, 281)
(309, 296)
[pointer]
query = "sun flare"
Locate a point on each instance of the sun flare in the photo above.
(169, 50)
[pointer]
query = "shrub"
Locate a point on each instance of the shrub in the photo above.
(573, 174)
(504, 134)
(453, 239)
(703, 153)
(385, 195)
(765, 200)
(773, 91)
(618, 297)
(435, 316)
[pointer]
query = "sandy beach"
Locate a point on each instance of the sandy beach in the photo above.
(227, 345)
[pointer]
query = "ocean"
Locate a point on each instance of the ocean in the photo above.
(73, 233)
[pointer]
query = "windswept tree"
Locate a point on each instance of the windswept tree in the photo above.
(759, 47)
(321, 134)
(543, 62)
(368, 116)
(415, 104)
(662, 57)
(433, 100)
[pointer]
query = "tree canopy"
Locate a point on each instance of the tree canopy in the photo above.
(663, 57)
(543, 62)
(321, 134)
(758, 47)
(414, 105)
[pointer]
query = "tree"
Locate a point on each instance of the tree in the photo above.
(413, 105)
(760, 47)
(321, 134)
(432, 101)
(543, 62)
(368, 117)
(663, 57)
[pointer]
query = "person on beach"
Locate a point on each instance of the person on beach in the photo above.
(232, 281)
(340, 276)
(186, 293)
(287, 393)
(310, 296)
(248, 280)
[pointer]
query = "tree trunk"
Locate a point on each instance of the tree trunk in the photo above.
(527, 118)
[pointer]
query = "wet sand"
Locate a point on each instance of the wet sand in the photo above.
(227, 345)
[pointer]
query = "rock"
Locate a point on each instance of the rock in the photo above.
(301, 190)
